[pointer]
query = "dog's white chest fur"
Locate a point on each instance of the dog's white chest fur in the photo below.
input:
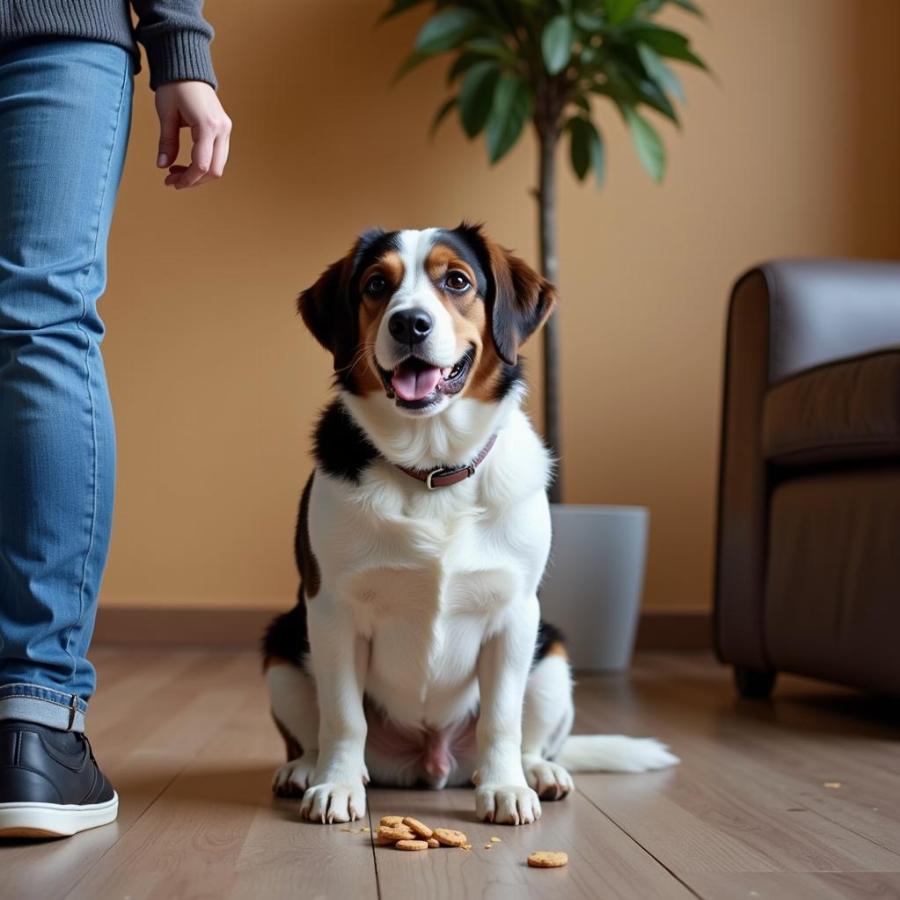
(428, 576)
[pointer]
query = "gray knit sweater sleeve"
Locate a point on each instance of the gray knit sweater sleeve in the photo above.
(173, 32)
(176, 38)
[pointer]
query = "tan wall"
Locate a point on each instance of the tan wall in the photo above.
(792, 150)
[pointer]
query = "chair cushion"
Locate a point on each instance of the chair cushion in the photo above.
(839, 412)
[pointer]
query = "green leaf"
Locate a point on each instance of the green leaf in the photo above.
(446, 30)
(461, 65)
(397, 7)
(665, 42)
(556, 44)
(580, 145)
(476, 96)
(492, 47)
(650, 149)
(620, 10)
(660, 72)
(585, 148)
(651, 7)
(440, 115)
(690, 6)
(510, 112)
(410, 63)
(588, 21)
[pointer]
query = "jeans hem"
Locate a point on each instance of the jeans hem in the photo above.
(43, 706)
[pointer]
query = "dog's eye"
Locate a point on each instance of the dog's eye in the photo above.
(376, 285)
(457, 281)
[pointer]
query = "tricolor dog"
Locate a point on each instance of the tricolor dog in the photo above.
(416, 654)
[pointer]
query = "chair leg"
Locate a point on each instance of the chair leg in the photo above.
(754, 684)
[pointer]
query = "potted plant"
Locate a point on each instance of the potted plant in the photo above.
(551, 63)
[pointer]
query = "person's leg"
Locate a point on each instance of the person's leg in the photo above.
(65, 110)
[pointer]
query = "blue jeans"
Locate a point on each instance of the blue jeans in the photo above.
(65, 113)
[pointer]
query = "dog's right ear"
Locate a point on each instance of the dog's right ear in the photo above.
(324, 305)
(320, 304)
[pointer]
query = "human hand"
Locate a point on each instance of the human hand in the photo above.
(194, 105)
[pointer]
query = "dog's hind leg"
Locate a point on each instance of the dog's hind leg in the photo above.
(292, 696)
(549, 713)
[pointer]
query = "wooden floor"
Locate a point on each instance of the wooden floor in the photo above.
(797, 798)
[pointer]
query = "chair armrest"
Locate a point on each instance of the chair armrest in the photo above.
(741, 528)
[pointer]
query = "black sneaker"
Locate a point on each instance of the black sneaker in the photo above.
(50, 784)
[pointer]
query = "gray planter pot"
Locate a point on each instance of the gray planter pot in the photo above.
(593, 585)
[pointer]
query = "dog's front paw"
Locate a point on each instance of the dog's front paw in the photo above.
(507, 804)
(549, 779)
(293, 778)
(334, 801)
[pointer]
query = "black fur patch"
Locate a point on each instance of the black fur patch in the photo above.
(341, 448)
(307, 564)
(459, 240)
(287, 636)
(547, 636)
(510, 376)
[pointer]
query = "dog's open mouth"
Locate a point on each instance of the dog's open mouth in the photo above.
(415, 383)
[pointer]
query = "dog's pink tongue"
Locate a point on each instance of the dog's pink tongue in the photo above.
(414, 384)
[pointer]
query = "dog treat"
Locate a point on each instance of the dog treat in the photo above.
(433, 843)
(451, 838)
(411, 845)
(391, 820)
(548, 859)
(420, 828)
(495, 840)
(393, 833)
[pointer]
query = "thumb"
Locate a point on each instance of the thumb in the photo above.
(168, 140)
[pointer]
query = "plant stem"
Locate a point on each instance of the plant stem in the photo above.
(548, 137)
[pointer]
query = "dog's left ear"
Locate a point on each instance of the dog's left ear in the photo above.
(519, 300)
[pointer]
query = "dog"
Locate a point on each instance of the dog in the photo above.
(415, 654)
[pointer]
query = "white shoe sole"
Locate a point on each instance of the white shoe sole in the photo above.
(50, 820)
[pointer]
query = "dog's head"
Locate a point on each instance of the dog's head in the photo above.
(427, 316)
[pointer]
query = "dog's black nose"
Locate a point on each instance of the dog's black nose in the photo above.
(410, 326)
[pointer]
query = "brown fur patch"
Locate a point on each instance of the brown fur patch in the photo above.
(557, 648)
(470, 322)
(371, 312)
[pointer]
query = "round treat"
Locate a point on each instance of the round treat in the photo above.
(391, 820)
(548, 859)
(411, 845)
(450, 838)
(395, 833)
(433, 843)
(420, 828)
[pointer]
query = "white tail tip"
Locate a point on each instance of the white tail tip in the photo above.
(614, 753)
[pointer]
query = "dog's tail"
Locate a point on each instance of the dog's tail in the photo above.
(614, 753)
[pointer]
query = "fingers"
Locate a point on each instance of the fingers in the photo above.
(168, 139)
(204, 138)
(219, 158)
(209, 155)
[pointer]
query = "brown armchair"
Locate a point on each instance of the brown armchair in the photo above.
(808, 544)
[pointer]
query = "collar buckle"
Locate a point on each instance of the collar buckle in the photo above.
(440, 472)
